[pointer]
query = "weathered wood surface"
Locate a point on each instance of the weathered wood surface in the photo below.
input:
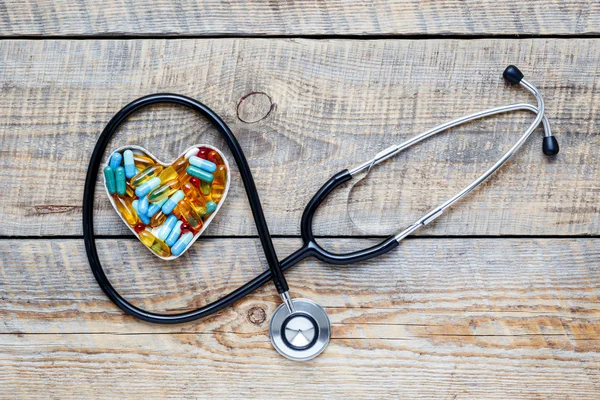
(313, 108)
(312, 17)
(450, 318)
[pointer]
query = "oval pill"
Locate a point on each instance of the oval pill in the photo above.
(167, 227)
(125, 207)
(203, 164)
(129, 164)
(115, 160)
(200, 174)
(170, 204)
(182, 243)
(109, 180)
(147, 187)
(157, 219)
(120, 180)
(174, 235)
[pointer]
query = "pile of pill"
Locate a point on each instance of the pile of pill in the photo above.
(166, 206)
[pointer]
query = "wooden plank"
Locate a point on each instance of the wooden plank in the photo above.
(256, 17)
(464, 318)
(325, 106)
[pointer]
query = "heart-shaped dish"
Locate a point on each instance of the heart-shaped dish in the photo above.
(200, 184)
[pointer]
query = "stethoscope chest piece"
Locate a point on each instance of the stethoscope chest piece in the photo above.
(303, 334)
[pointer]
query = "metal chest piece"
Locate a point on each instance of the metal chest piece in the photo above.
(303, 334)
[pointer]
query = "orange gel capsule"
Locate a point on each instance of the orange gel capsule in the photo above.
(129, 191)
(185, 211)
(214, 157)
(194, 197)
(142, 161)
(168, 174)
(164, 191)
(180, 164)
(126, 209)
(219, 183)
(154, 243)
(147, 174)
(158, 219)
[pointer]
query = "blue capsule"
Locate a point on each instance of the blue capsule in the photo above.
(143, 205)
(143, 217)
(170, 204)
(174, 235)
(128, 162)
(109, 180)
(154, 207)
(120, 181)
(210, 207)
(182, 243)
(203, 164)
(200, 174)
(167, 227)
(146, 187)
(115, 160)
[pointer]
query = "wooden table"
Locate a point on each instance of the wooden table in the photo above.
(498, 299)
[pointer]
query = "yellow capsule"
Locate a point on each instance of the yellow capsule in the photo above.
(168, 174)
(158, 219)
(194, 197)
(180, 164)
(147, 174)
(164, 191)
(129, 191)
(185, 211)
(218, 184)
(142, 161)
(154, 243)
(205, 188)
(126, 209)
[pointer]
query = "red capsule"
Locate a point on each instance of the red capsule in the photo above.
(195, 181)
(139, 227)
(203, 152)
(185, 227)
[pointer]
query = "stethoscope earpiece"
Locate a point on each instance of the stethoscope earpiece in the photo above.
(550, 146)
(301, 334)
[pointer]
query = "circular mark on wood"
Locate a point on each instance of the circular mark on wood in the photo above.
(257, 315)
(254, 107)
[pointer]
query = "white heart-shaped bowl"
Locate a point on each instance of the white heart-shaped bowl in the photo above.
(206, 223)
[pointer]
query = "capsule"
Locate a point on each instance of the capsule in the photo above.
(205, 188)
(170, 204)
(180, 164)
(167, 227)
(182, 243)
(211, 206)
(163, 191)
(199, 205)
(191, 152)
(147, 174)
(147, 187)
(139, 227)
(158, 219)
(109, 180)
(219, 183)
(214, 157)
(115, 160)
(174, 235)
(154, 207)
(143, 205)
(191, 191)
(203, 152)
(143, 217)
(129, 191)
(120, 180)
(203, 164)
(142, 161)
(168, 174)
(155, 244)
(200, 174)
(185, 211)
(130, 169)
(126, 210)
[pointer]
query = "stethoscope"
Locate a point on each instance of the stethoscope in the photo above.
(299, 328)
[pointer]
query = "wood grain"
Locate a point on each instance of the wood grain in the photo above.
(335, 103)
(311, 17)
(460, 318)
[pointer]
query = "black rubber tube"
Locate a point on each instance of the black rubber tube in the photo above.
(276, 269)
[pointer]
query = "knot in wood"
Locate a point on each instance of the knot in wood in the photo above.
(254, 107)
(257, 315)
